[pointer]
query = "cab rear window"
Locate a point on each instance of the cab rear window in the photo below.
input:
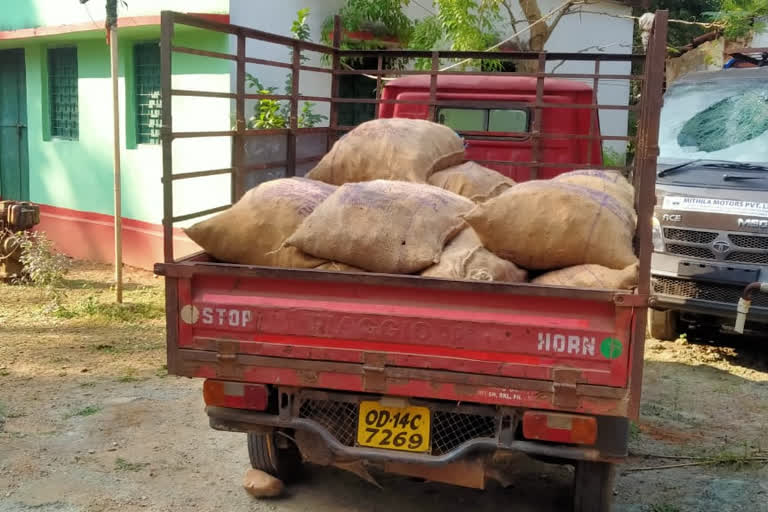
(484, 120)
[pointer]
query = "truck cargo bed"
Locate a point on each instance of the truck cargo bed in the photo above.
(496, 343)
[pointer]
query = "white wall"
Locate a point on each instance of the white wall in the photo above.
(276, 16)
(592, 32)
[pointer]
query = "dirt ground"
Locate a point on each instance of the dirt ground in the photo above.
(90, 421)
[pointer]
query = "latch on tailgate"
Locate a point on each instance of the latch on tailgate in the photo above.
(564, 387)
(374, 378)
(227, 358)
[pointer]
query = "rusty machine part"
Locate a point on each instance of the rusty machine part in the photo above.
(15, 216)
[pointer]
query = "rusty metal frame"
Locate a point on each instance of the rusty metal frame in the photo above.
(179, 272)
(240, 130)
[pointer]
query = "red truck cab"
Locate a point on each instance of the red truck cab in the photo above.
(496, 117)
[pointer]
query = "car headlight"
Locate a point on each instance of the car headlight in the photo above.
(657, 235)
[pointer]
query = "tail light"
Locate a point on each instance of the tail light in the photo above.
(559, 428)
(235, 395)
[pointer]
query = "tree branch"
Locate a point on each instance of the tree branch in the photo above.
(512, 19)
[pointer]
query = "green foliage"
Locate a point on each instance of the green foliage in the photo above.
(469, 24)
(85, 411)
(681, 34)
(123, 465)
(427, 32)
(92, 308)
(300, 27)
(275, 114)
(613, 158)
(43, 265)
(739, 16)
(381, 17)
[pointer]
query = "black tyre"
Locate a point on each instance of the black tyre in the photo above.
(283, 462)
(663, 325)
(593, 487)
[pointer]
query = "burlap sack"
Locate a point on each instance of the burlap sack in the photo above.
(592, 276)
(548, 224)
(608, 182)
(333, 266)
(383, 226)
(390, 149)
(261, 484)
(471, 180)
(465, 258)
(253, 231)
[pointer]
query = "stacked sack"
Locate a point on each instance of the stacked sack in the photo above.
(395, 196)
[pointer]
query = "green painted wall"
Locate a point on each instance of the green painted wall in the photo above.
(16, 14)
(78, 174)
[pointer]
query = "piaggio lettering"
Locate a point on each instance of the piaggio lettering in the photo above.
(567, 344)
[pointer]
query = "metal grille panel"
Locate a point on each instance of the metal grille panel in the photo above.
(62, 87)
(148, 99)
(338, 418)
(689, 235)
(750, 242)
(749, 257)
(449, 429)
(691, 251)
(713, 292)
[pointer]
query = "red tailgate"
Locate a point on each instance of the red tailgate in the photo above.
(489, 329)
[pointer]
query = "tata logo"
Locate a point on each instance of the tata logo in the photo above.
(721, 246)
(669, 217)
(753, 223)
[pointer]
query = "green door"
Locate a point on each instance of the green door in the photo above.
(14, 163)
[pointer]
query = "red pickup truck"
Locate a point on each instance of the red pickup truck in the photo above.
(410, 375)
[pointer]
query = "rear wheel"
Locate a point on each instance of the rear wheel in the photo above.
(663, 325)
(281, 460)
(593, 487)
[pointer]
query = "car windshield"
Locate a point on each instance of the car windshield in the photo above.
(723, 120)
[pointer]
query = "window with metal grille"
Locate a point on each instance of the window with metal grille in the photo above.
(146, 58)
(62, 88)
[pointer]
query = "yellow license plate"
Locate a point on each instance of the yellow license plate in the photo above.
(393, 428)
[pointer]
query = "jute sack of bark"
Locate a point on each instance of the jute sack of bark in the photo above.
(608, 182)
(465, 258)
(390, 149)
(471, 180)
(261, 484)
(333, 266)
(253, 230)
(383, 226)
(592, 276)
(548, 224)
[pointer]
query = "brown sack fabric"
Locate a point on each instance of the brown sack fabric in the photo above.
(465, 258)
(383, 226)
(471, 180)
(548, 224)
(333, 266)
(253, 230)
(390, 149)
(592, 276)
(608, 182)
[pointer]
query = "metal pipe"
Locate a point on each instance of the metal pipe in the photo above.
(235, 420)
(745, 302)
(113, 51)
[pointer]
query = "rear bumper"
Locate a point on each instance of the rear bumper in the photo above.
(336, 431)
